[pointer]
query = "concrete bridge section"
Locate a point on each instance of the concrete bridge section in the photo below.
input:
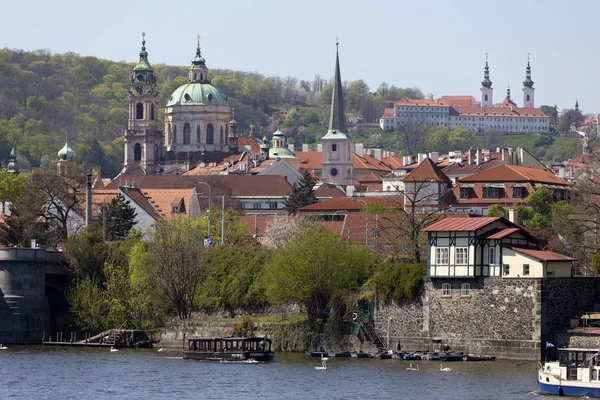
(24, 308)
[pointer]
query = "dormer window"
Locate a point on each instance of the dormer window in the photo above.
(465, 193)
(518, 192)
(492, 192)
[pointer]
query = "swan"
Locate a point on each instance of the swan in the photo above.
(3, 347)
(324, 358)
(161, 349)
(412, 369)
(112, 348)
(324, 365)
(446, 369)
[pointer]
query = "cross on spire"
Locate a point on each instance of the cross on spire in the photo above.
(198, 39)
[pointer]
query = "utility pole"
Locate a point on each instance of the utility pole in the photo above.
(223, 220)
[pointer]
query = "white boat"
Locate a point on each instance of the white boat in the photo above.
(576, 373)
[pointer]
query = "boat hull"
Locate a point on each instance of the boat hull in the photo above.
(222, 356)
(568, 390)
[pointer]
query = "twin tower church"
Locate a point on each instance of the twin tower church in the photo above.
(199, 126)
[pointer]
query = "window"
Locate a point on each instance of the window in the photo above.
(187, 131)
(492, 256)
(525, 269)
(210, 135)
(486, 97)
(152, 111)
(198, 134)
(446, 290)
(441, 255)
(139, 111)
(137, 152)
(256, 206)
(518, 193)
(461, 255)
(334, 147)
(273, 206)
(491, 192)
(465, 193)
(465, 290)
(505, 269)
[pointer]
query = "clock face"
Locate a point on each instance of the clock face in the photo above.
(138, 89)
(333, 171)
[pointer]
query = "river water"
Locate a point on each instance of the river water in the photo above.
(31, 372)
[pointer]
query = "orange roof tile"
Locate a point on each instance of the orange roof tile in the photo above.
(513, 173)
(388, 113)
(542, 255)
(452, 224)
(352, 204)
(424, 103)
(426, 171)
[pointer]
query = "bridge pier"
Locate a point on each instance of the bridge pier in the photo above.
(24, 310)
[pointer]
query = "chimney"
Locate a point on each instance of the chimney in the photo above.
(291, 147)
(393, 153)
(471, 156)
(421, 157)
(88, 201)
(359, 149)
(350, 190)
(434, 156)
(407, 160)
(320, 147)
(377, 154)
(305, 147)
(478, 156)
(512, 215)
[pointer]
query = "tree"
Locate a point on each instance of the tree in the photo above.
(413, 135)
(497, 210)
(119, 217)
(315, 270)
(552, 112)
(87, 253)
(281, 230)
(302, 194)
(177, 264)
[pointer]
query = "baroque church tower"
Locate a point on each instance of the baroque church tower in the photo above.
(143, 140)
(487, 93)
(528, 88)
(338, 148)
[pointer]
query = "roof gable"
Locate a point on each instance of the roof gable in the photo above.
(426, 171)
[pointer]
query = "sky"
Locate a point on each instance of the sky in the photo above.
(438, 46)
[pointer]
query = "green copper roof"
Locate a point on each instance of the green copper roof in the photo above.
(66, 153)
(281, 152)
(486, 76)
(143, 72)
(337, 117)
(12, 164)
(528, 82)
(197, 93)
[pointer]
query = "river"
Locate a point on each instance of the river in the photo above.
(32, 372)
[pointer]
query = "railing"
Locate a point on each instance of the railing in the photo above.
(370, 332)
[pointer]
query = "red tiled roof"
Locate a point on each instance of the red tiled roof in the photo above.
(513, 173)
(424, 103)
(460, 101)
(352, 204)
(504, 233)
(426, 171)
(136, 195)
(507, 102)
(250, 143)
(542, 255)
(452, 224)
(327, 190)
(394, 162)
(371, 178)
(388, 113)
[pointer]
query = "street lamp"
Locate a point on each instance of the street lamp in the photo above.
(366, 221)
(333, 216)
(207, 185)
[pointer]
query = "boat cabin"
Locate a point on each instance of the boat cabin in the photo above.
(229, 349)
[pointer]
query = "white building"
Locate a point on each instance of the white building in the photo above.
(484, 116)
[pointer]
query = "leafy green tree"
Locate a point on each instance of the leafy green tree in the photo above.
(497, 210)
(89, 305)
(316, 270)
(302, 194)
(86, 253)
(552, 112)
(12, 186)
(119, 218)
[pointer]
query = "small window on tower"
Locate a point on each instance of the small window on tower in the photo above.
(527, 97)
(486, 97)
(187, 97)
(334, 147)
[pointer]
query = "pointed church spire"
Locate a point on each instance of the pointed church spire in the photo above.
(337, 118)
(577, 105)
(528, 82)
(12, 166)
(143, 72)
(508, 91)
(486, 74)
(198, 70)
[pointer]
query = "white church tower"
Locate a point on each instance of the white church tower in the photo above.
(528, 88)
(487, 93)
(338, 148)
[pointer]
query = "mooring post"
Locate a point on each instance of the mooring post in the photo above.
(43, 336)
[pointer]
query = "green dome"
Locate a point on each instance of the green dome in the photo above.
(196, 93)
(66, 153)
(281, 152)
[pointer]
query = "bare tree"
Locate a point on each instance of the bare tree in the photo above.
(413, 134)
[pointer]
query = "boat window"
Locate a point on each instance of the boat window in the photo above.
(594, 374)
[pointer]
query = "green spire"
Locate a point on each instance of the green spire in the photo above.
(486, 75)
(12, 166)
(66, 153)
(143, 72)
(528, 82)
(337, 118)
(508, 91)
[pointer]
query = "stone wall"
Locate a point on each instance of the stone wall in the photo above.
(499, 317)
(565, 298)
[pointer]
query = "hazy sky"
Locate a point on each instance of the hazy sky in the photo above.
(437, 46)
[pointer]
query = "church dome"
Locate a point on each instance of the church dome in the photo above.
(66, 153)
(197, 93)
(281, 152)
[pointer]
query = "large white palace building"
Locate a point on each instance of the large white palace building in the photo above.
(484, 116)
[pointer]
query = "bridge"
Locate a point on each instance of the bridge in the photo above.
(31, 293)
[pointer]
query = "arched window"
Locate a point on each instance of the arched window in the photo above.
(465, 290)
(187, 133)
(195, 76)
(137, 152)
(139, 111)
(446, 290)
(210, 135)
(198, 134)
(152, 111)
(527, 97)
(485, 97)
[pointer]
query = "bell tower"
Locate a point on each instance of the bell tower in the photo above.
(487, 93)
(143, 141)
(337, 146)
(528, 88)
